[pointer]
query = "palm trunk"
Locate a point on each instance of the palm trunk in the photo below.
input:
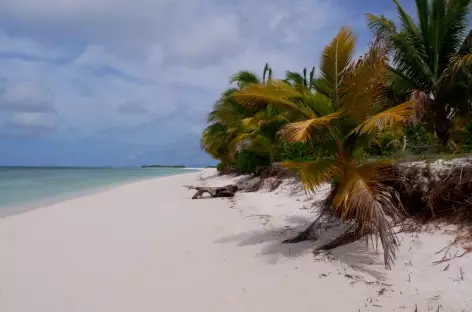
(441, 124)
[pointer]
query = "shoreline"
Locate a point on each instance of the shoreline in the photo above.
(21, 208)
(144, 246)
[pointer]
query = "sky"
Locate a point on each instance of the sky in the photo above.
(130, 82)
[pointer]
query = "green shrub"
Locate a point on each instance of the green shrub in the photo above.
(248, 162)
(297, 151)
(220, 167)
(468, 127)
(421, 141)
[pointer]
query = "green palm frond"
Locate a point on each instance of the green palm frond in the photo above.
(294, 78)
(244, 78)
(267, 74)
(381, 26)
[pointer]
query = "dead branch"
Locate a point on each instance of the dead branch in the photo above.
(223, 191)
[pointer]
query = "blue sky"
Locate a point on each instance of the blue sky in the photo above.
(128, 82)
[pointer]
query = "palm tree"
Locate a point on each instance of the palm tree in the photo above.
(297, 79)
(233, 126)
(431, 58)
(346, 111)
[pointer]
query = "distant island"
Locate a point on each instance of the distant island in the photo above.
(162, 166)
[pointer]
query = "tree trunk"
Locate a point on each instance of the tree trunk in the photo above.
(441, 123)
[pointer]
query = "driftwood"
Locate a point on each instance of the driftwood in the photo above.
(223, 191)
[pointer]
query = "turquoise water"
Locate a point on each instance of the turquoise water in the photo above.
(23, 186)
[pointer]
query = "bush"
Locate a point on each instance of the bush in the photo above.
(297, 151)
(221, 167)
(468, 127)
(421, 141)
(248, 162)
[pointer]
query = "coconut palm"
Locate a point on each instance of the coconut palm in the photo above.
(431, 58)
(297, 79)
(346, 111)
(233, 126)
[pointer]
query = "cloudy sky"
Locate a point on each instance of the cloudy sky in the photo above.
(127, 82)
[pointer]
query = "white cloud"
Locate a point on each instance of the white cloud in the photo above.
(26, 96)
(151, 67)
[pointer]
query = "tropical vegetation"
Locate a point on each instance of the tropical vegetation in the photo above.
(348, 121)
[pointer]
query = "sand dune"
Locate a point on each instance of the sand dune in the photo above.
(148, 247)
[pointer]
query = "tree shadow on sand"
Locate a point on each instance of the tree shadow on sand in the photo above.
(356, 255)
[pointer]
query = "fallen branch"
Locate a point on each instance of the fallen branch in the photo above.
(223, 191)
(448, 259)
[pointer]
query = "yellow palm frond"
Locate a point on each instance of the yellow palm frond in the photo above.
(277, 93)
(302, 131)
(335, 58)
(387, 119)
(313, 173)
(459, 65)
(361, 195)
(363, 83)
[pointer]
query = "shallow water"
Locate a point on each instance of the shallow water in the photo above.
(26, 186)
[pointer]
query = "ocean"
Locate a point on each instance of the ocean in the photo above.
(29, 187)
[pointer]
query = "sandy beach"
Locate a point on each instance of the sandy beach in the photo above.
(148, 246)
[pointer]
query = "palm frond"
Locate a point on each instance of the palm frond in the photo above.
(361, 195)
(422, 9)
(387, 119)
(381, 26)
(336, 57)
(303, 131)
(294, 78)
(462, 64)
(408, 25)
(244, 78)
(363, 84)
(258, 95)
(313, 173)
(455, 23)
(267, 73)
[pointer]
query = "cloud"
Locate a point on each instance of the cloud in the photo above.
(138, 77)
(133, 108)
(207, 43)
(27, 96)
(35, 120)
(19, 47)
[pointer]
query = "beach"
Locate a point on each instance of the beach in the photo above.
(147, 246)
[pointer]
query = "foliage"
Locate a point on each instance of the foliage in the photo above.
(346, 108)
(298, 151)
(421, 141)
(431, 59)
(411, 92)
(249, 162)
(469, 136)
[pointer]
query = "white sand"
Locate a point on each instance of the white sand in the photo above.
(148, 247)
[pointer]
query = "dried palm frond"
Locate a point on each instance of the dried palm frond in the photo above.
(277, 93)
(361, 195)
(303, 131)
(336, 57)
(387, 119)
